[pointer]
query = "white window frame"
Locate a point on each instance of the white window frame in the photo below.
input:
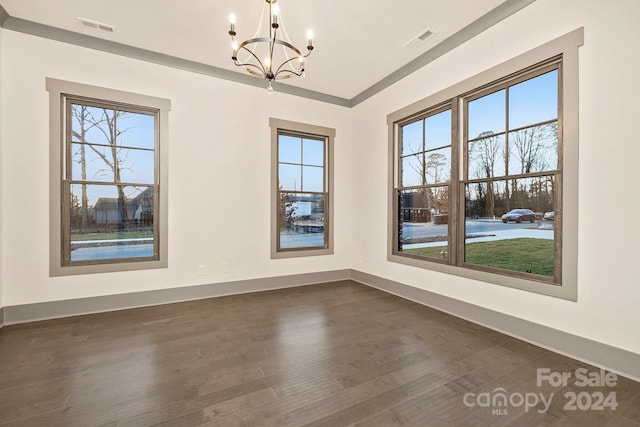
(61, 92)
(565, 46)
(279, 126)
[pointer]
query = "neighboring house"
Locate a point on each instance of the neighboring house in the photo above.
(140, 208)
(144, 207)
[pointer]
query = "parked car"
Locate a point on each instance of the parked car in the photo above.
(549, 216)
(519, 215)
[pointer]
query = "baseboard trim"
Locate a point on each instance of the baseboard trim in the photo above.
(1, 317)
(617, 360)
(75, 307)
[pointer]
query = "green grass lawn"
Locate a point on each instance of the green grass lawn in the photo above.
(524, 254)
(111, 236)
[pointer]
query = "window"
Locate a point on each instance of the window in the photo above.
(302, 189)
(108, 199)
(511, 176)
(484, 175)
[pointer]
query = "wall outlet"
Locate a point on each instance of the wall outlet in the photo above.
(226, 267)
(361, 259)
(200, 270)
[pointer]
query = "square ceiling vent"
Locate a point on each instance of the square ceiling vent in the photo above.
(96, 25)
(420, 38)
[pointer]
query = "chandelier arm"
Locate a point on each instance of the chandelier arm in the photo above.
(250, 71)
(271, 42)
(273, 35)
(280, 70)
(248, 64)
(243, 47)
(292, 73)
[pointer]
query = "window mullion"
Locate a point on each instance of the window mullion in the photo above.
(454, 187)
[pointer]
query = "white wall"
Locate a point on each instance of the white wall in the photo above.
(608, 303)
(219, 160)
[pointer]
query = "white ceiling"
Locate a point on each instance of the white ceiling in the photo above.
(357, 42)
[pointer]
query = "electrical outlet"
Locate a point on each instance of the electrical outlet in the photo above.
(201, 270)
(361, 259)
(226, 267)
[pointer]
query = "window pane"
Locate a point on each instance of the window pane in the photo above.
(92, 124)
(313, 178)
(518, 240)
(289, 149)
(533, 149)
(91, 162)
(97, 163)
(534, 101)
(412, 138)
(412, 171)
(423, 222)
(486, 157)
(487, 115)
(302, 220)
(289, 177)
(485, 200)
(136, 166)
(135, 129)
(313, 152)
(437, 166)
(438, 130)
(535, 193)
(110, 222)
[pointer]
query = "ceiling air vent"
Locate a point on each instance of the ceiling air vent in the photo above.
(96, 25)
(420, 38)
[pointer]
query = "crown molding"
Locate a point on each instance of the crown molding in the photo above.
(501, 12)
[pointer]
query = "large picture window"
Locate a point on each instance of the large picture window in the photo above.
(108, 207)
(302, 184)
(484, 175)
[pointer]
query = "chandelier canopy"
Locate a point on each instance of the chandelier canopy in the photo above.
(273, 57)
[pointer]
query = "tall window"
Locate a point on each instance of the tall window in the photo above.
(302, 189)
(485, 175)
(512, 171)
(110, 182)
(425, 177)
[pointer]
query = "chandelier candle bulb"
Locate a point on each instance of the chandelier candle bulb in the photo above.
(310, 40)
(232, 21)
(276, 10)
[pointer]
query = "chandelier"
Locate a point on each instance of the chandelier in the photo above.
(273, 57)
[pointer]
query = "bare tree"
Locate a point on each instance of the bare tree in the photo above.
(433, 165)
(287, 207)
(485, 154)
(531, 147)
(79, 112)
(104, 121)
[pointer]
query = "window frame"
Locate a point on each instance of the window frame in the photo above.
(61, 95)
(564, 47)
(302, 130)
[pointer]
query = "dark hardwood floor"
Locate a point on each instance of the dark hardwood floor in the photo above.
(325, 355)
